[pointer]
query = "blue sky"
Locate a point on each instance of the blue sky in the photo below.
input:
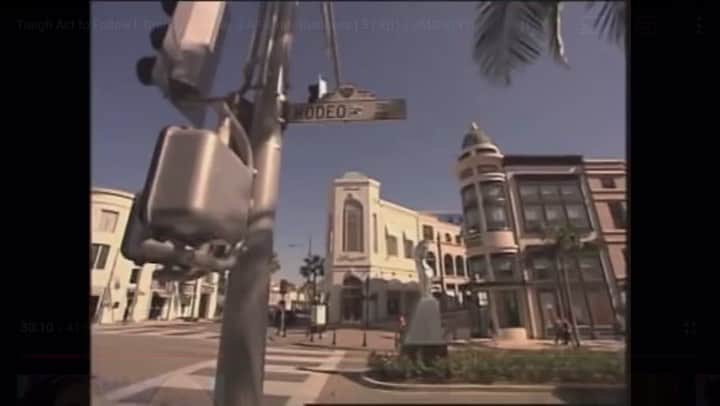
(417, 51)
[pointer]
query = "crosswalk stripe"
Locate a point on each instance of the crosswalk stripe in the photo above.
(291, 358)
(283, 350)
(298, 393)
(273, 388)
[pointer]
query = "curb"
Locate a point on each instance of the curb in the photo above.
(486, 388)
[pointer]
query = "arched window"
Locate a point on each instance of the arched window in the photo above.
(459, 266)
(352, 225)
(431, 262)
(352, 281)
(448, 263)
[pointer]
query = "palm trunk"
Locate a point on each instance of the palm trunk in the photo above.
(571, 313)
(559, 288)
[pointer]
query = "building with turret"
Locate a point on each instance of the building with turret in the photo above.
(509, 202)
(495, 256)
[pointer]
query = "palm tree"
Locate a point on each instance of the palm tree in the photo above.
(566, 241)
(274, 263)
(512, 34)
(314, 266)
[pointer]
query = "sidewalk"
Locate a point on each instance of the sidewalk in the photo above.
(592, 345)
(149, 323)
(381, 341)
(352, 339)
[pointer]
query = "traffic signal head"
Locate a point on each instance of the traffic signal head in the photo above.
(317, 91)
(187, 55)
(198, 190)
(138, 244)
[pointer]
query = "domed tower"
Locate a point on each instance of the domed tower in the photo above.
(486, 208)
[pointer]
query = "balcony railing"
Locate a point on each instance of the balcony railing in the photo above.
(158, 285)
(187, 289)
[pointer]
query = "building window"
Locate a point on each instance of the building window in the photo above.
(533, 217)
(477, 269)
(353, 225)
(542, 267)
(570, 265)
(590, 266)
(432, 262)
(576, 216)
(555, 215)
(494, 205)
(600, 305)
(502, 267)
(375, 233)
(554, 204)
(618, 213)
(470, 210)
(428, 233)
(108, 221)
(486, 168)
(508, 309)
(448, 264)
(466, 173)
(579, 305)
(570, 191)
(99, 255)
(393, 302)
(459, 266)
(135, 275)
(408, 245)
(458, 241)
(608, 182)
(391, 244)
(448, 238)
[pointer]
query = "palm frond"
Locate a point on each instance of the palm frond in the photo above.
(611, 20)
(557, 47)
(509, 35)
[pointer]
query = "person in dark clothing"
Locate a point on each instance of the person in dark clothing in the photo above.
(558, 330)
(565, 332)
(401, 329)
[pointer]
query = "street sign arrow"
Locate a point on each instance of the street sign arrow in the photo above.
(336, 111)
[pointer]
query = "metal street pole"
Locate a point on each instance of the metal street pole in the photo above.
(241, 358)
(367, 309)
(312, 298)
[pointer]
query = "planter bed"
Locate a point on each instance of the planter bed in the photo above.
(521, 367)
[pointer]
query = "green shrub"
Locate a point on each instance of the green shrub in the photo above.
(486, 367)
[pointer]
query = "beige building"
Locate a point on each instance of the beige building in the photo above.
(507, 200)
(498, 262)
(370, 244)
(122, 291)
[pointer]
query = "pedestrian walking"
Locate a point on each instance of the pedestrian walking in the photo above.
(558, 330)
(566, 332)
(401, 328)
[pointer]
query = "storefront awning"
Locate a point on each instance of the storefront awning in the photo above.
(391, 229)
